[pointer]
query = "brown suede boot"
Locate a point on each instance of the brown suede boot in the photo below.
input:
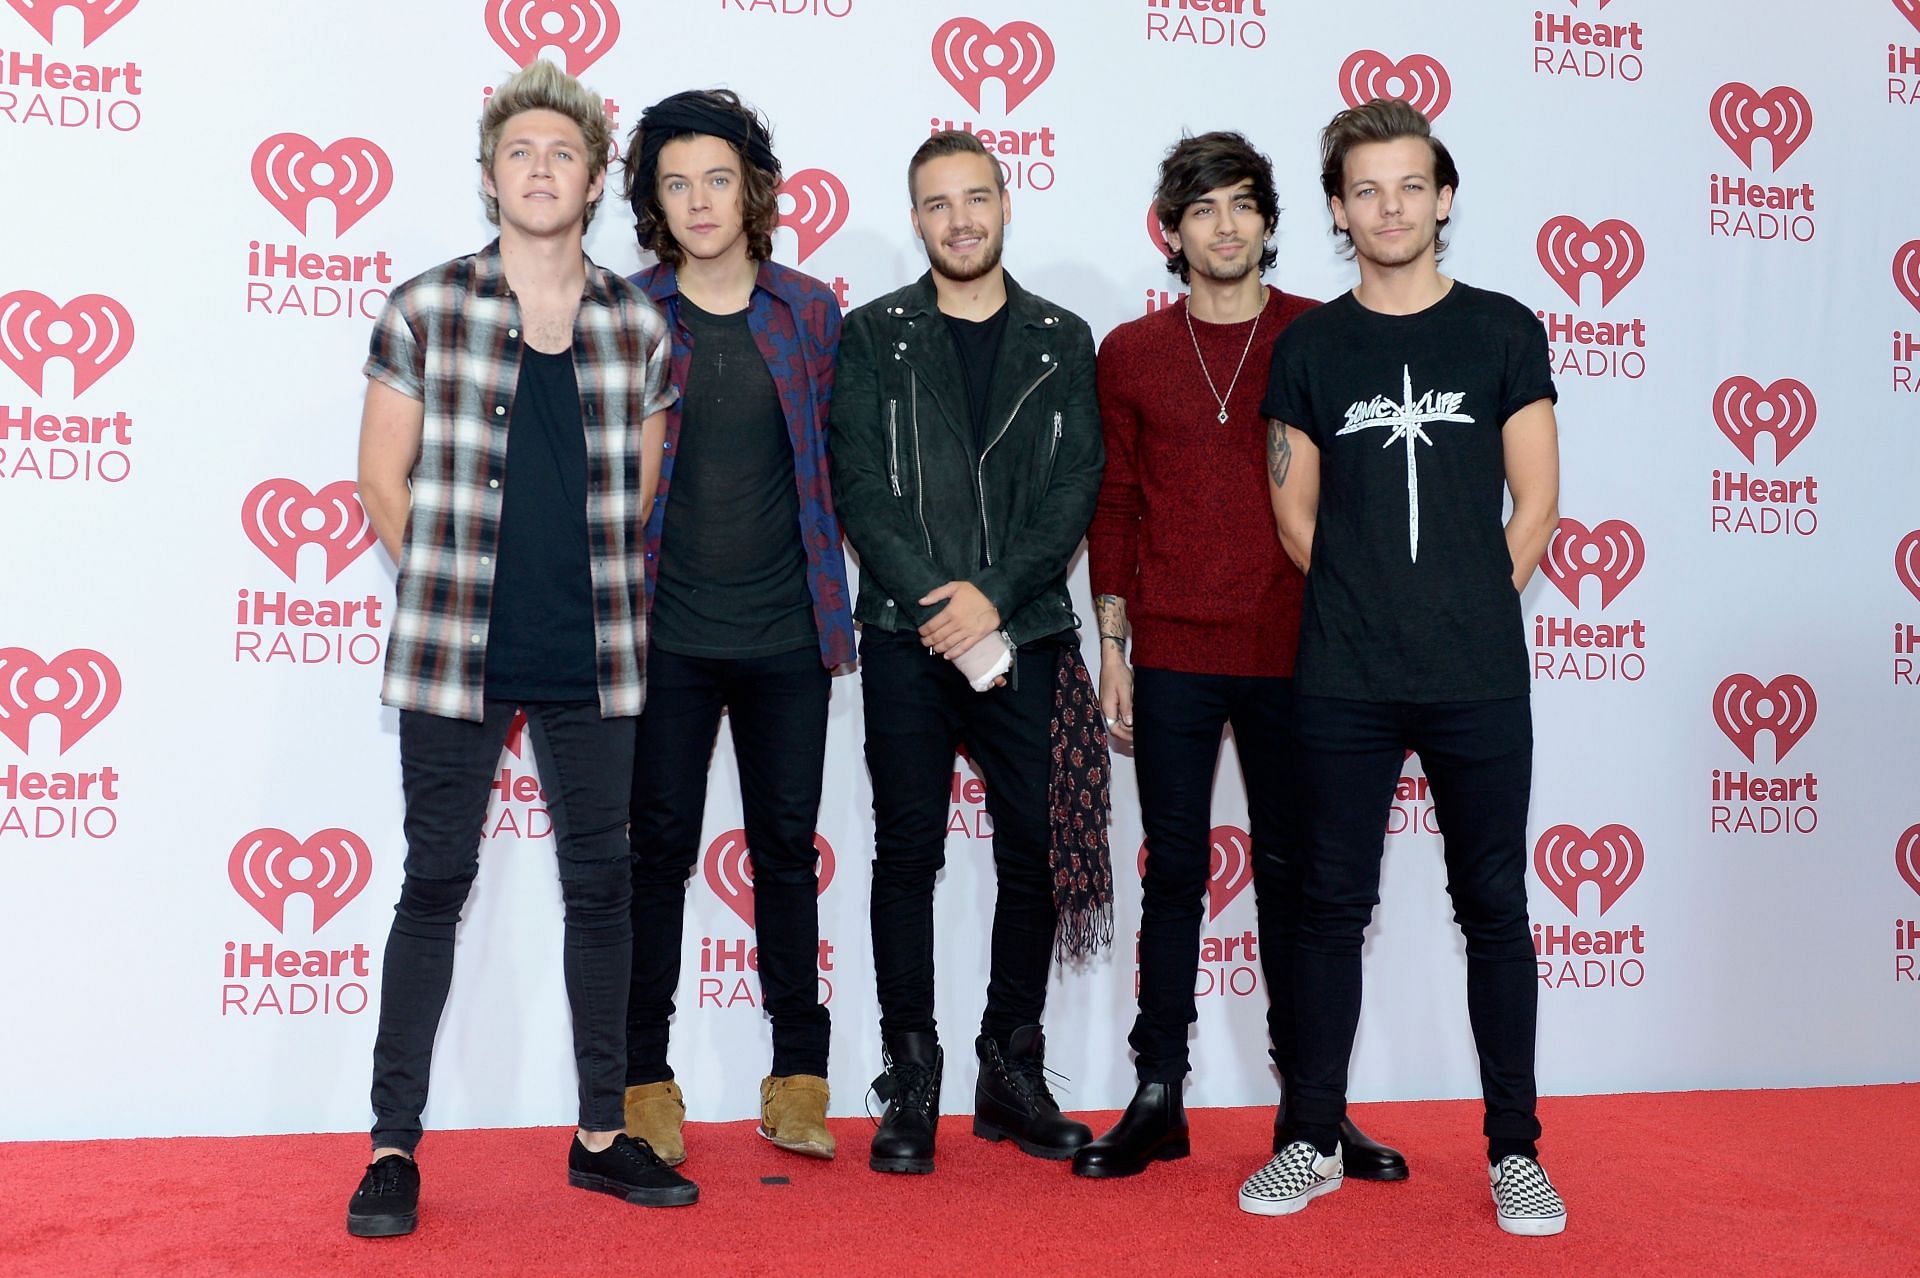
(793, 1113)
(654, 1114)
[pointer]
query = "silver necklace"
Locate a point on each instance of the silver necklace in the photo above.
(1211, 388)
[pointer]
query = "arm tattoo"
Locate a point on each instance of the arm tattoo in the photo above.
(1279, 453)
(1110, 614)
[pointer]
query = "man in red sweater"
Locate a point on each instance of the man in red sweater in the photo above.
(1183, 540)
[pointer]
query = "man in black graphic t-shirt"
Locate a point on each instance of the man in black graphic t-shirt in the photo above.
(1400, 415)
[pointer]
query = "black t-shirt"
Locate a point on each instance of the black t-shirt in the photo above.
(733, 573)
(540, 641)
(1410, 596)
(978, 343)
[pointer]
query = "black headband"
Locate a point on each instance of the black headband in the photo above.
(695, 112)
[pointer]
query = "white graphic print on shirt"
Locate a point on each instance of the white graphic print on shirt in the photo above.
(1408, 421)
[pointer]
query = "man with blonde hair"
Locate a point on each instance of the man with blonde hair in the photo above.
(509, 448)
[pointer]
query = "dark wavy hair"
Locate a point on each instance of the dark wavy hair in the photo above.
(1381, 120)
(1196, 166)
(759, 189)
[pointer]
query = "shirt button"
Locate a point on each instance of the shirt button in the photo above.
(473, 638)
(499, 410)
(514, 332)
(889, 603)
(493, 483)
(485, 560)
(902, 345)
(1046, 359)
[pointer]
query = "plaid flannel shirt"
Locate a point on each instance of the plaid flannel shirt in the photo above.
(451, 338)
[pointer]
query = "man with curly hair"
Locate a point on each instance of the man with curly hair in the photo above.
(749, 590)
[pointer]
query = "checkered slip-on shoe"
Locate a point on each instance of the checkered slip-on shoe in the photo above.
(1293, 1178)
(1524, 1199)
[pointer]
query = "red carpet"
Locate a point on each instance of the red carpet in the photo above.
(1822, 1181)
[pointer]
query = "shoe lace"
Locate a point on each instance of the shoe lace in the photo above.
(633, 1150)
(384, 1176)
(906, 1084)
(1030, 1075)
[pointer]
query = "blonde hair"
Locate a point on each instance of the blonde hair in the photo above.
(542, 86)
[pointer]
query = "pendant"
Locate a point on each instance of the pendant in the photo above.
(1223, 417)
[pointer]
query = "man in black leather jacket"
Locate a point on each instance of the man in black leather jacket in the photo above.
(966, 459)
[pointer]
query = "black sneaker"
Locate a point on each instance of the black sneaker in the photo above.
(629, 1169)
(388, 1200)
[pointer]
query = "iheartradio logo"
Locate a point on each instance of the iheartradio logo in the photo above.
(1742, 115)
(1567, 857)
(583, 30)
(1742, 706)
(818, 211)
(1906, 562)
(79, 688)
(1906, 269)
(292, 171)
(967, 53)
(1229, 870)
(1906, 856)
(96, 16)
(268, 866)
(1418, 77)
(282, 515)
(729, 871)
(1611, 552)
(92, 333)
(1745, 410)
(1611, 250)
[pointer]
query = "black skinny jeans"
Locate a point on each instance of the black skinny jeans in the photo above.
(778, 706)
(1178, 719)
(918, 709)
(1478, 757)
(447, 768)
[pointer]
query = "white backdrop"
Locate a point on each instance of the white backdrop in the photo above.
(190, 640)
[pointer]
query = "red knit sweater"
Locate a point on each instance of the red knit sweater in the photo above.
(1184, 529)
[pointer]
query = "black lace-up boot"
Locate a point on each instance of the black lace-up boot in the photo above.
(1013, 1102)
(911, 1088)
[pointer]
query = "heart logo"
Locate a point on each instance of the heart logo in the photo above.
(281, 515)
(1567, 856)
(729, 871)
(1570, 250)
(583, 30)
(79, 688)
(1742, 706)
(268, 866)
(1745, 410)
(1611, 552)
(967, 53)
(1906, 856)
(1906, 272)
(1742, 115)
(819, 208)
(96, 16)
(292, 171)
(92, 333)
(1418, 77)
(1906, 562)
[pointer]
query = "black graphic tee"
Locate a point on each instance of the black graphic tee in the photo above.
(1410, 596)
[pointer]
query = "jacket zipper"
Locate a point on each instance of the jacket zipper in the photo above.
(893, 445)
(919, 487)
(980, 470)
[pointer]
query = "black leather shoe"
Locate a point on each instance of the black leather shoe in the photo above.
(1365, 1158)
(911, 1087)
(1153, 1129)
(387, 1202)
(1012, 1100)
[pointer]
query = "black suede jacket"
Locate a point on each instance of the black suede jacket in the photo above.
(917, 505)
